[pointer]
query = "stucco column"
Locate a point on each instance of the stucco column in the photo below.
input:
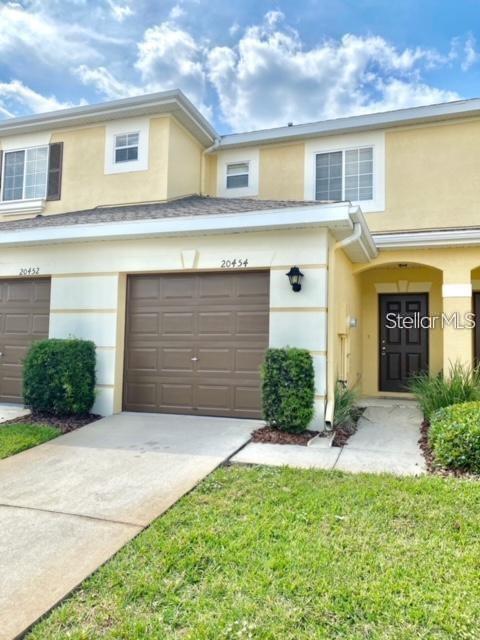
(457, 305)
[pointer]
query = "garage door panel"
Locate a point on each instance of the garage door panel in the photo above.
(178, 395)
(141, 394)
(214, 398)
(247, 399)
(215, 323)
(144, 324)
(210, 342)
(175, 288)
(216, 286)
(13, 354)
(253, 323)
(176, 359)
(142, 359)
(249, 360)
(40, 325)
(174, 324)
(18, 323)
(216, 360)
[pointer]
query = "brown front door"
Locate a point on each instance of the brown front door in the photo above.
(403, 347)
(195, 343)
(24, 315)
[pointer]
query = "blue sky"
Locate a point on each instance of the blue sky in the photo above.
(246, 64)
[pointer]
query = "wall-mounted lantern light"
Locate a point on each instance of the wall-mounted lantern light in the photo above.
(295, 277)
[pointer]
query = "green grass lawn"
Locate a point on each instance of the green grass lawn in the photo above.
(18, 437)
(284, 554)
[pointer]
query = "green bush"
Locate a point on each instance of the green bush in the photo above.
(455, 436)
(59, 377)
(288, 389)
(346, 412)
(434, 392)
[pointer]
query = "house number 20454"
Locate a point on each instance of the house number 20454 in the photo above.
(234, 263)
(29, 271)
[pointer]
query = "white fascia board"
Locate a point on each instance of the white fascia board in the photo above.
(337, 218)
(174, 102)
(381, 120)
(425, 239)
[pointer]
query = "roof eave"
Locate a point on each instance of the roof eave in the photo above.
(337, 218)
(353, 124)
(169, 102)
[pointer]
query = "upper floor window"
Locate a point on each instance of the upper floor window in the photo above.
(344, 175)
(237, 175)
(126, 147)
(25, 174)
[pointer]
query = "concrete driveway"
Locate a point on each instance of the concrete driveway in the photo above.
(70, 504)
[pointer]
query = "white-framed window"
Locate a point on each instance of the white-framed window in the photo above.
(126, 147)
(24, 174)
(237, 175)
(346, 174)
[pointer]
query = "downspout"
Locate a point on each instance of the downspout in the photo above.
(330, 408)
(206, 151)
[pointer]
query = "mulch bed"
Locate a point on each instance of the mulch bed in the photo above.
(276, 436)
(65, 424)
(430, 458)
(342, 434)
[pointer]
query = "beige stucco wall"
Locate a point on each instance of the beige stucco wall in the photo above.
(281, 172)
(432, 177)
(347, 341)
(84, 183)
(184, 162)
(174, 168)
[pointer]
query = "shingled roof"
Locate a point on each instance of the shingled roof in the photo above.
(184, 207)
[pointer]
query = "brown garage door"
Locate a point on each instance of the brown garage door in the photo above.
(24, 314)
(195, 342)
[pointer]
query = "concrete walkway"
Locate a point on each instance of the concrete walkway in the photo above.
(68, 505)
(11, 411)
(386, 442)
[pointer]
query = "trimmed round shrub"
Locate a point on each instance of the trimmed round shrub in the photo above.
(288, 389)
(59, 377)
(455, 436)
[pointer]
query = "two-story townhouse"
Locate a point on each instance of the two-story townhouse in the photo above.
(132, 223)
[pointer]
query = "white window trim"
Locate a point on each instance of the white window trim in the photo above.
(250, 156)
(344, 152)
(130, 146)
(374, 140)
(12, 203)
(229, 164)
(124, 127)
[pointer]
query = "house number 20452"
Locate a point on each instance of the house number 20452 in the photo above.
(234, 263)
(29, 271)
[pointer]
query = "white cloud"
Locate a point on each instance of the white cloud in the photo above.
(120, 11)
(169, 57)
(42, 38)
(16, 98)
(471, 54)
(270, 78)
(105, 82)
(177, 12)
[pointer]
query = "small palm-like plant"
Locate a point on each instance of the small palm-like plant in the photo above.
(462, 384)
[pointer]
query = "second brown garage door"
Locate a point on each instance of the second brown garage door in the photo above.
(195, 343)
(24, 315)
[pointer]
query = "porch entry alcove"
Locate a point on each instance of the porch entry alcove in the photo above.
(392, 355)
